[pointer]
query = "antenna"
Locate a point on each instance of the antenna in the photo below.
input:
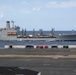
(12, 23)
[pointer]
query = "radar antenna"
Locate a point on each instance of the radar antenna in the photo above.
(12, 23)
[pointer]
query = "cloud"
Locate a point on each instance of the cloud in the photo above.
(36, 9)
(28, 11)
(66, 4)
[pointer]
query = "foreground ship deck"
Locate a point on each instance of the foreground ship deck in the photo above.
(52, 65)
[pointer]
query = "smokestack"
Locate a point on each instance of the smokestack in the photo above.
(7, 24)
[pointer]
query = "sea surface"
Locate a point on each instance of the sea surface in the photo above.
(3, 43)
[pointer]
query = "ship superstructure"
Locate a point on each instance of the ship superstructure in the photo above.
(9, 33)
(66, 37)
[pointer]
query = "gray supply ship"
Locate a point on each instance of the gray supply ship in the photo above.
(13, 34)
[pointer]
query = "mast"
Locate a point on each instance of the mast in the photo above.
(41, 32)
(12, 23)
(33, 31)
(25, 31)
(52, 32)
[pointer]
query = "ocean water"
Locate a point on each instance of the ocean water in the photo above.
(3, 43)
(55, 32)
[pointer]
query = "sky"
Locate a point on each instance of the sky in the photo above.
(39, 14)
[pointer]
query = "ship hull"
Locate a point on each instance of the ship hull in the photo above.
(58, 38)
(15, 38)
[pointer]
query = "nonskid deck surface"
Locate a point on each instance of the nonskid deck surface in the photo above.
(17, 70)
(45, 61)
